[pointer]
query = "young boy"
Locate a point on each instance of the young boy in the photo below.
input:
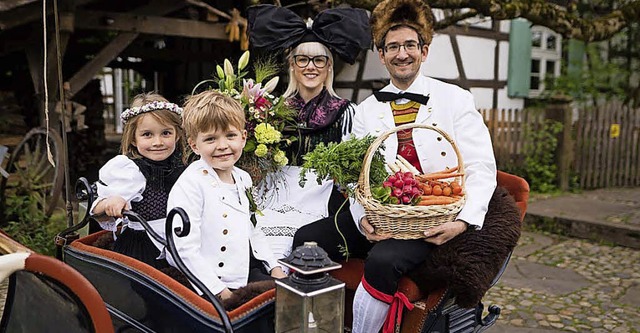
(223, 249)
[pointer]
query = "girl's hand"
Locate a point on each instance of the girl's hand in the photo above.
(278, 273)
(225, 294)
(113, 206)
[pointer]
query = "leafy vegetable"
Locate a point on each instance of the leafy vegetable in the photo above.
(343, 162)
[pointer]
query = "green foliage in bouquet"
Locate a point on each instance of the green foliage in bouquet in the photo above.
(343, 162)
(266, 115)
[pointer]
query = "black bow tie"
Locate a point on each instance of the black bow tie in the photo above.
(385, 96)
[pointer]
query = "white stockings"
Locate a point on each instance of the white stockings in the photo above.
(368, 313)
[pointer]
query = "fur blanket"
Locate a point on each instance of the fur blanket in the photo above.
(468, 263)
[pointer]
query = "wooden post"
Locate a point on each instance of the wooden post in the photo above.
(559, 109)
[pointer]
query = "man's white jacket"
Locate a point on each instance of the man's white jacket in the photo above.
(451, 109)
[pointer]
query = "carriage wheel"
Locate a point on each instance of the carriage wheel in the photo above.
(30, 172)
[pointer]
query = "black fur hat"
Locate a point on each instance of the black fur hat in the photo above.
(415, 14)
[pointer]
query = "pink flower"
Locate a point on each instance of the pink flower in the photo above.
(251, 90)
(262, 103)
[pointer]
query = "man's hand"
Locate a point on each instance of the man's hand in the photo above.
(278, 273)
(445, 232)
(369, 231)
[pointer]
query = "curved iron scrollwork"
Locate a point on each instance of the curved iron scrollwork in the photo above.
(86, 194)
(171, 247)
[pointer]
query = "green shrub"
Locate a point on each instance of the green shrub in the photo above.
(539, 166)
(28, 225)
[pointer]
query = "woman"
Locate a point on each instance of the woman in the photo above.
(323, 117)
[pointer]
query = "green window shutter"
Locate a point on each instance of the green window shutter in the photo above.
(575, 57)
(519, 70)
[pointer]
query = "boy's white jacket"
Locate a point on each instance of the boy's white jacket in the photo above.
(451, 109)
(217, 248)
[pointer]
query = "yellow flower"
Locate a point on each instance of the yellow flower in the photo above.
(265, 133)
(280, 158)
(261, 150)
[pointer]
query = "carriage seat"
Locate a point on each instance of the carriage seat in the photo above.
(177, 284)
(353, 269)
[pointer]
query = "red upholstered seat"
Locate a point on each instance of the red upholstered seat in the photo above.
(190, 297)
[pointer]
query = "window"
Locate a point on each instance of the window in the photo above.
(545, 58)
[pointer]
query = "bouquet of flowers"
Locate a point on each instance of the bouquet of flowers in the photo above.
(266, 115)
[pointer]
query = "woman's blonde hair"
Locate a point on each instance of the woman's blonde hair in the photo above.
(211, 110)
(311, 49)
(165, 117)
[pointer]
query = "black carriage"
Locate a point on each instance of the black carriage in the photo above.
(140, 298)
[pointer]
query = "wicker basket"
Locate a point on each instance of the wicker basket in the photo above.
(405, 221)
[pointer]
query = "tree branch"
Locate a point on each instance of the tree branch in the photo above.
(568, 23)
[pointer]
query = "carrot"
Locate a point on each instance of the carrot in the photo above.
(449, 170)
(427, 200)
(434, 176)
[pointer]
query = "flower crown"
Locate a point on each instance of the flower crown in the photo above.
(155, 105)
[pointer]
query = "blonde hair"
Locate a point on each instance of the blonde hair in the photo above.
(211, 110)
(310, 49)
(165, 117)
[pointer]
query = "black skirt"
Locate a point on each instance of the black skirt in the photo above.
(138, 245)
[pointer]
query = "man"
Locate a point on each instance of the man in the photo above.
(402, 32)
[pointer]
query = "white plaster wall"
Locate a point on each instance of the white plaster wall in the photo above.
(477, 57)
(503, 62)
(505, 102)
(440, 61)
(505, 26)
(348, 72)
(374, 69)
(483, 97)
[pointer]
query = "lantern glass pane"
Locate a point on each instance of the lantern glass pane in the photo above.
(328, 311)
(291, 310)
(322, 312)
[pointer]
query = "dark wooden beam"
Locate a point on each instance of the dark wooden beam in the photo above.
(117, 45)
(153, 25)
(456, 30)
(28, 13)
(86, 73)
(10, 4)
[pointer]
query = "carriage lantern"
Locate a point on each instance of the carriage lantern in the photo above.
(309, 300)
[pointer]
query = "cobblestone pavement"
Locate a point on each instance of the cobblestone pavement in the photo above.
(559, 284)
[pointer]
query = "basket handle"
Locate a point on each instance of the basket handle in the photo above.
(364, 173)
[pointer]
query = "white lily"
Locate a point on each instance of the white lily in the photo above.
(271, 85)
(228, 68)
(244, 60)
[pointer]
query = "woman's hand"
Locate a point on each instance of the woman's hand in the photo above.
(445, 232)
(225, 294)
(370, 232)
(278, 273)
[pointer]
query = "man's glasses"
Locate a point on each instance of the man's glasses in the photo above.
(394, 48)
(303, 61)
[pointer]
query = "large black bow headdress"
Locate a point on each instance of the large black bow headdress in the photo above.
(345, 31)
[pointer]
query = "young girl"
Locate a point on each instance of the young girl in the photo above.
(223, 249)
(140, 179)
